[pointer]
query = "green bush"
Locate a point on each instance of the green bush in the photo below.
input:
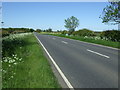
(84, 32)
(64, 32)
(113, 35)
(8, 31)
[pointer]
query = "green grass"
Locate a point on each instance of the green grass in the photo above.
(101, 42)
(33, 71)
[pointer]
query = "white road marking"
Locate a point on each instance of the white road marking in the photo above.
(92, 43)
(64, 42)
(57, 67)
(98, 53)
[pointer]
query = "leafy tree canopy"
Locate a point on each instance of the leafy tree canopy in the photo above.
(111, 13)
(71, 23)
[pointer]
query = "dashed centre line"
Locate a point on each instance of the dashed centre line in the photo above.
(64, 42)
(98, 53)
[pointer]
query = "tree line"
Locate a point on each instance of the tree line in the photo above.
(8, 31)
(47, 30)
(112, 35)
(110, 15)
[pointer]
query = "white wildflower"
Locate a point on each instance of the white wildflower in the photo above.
(11, 76)
(15, 63)
(9, 65)
(4, 71)
(20, 59)
(5, 60)
(86, 37)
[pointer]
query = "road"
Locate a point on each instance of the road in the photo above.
(85, 65)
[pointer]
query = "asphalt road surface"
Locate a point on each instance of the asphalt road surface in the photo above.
(85, 65)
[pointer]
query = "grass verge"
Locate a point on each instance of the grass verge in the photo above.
(101, 42)
(25, 66)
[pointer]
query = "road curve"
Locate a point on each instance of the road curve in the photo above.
(85, 65)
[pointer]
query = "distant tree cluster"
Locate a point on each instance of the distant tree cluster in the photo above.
(112, 35)
(47, 30)
(7, 31)
(38, 30)
(84, 32)
(110, 14)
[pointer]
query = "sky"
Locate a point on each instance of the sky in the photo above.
(44, 15)
(56, 0)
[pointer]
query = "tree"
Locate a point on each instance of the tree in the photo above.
(10, 30)
(111, 13)
(71, 23)
(49, 30)
(31, 30)
(38, 30)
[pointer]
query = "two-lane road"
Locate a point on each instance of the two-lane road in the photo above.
(85, 65)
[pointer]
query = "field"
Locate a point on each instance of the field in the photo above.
(24, 64)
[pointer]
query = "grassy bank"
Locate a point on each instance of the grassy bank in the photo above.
(92, 40)
(24, 64)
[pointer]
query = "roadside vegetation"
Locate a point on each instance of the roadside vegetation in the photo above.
(8, 31)
(109, 38)
(96, 40)
(24, 64)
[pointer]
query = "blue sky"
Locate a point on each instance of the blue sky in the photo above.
(46, 15)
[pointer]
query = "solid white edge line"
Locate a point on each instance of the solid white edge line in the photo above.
(57, 67)
(98, 53)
